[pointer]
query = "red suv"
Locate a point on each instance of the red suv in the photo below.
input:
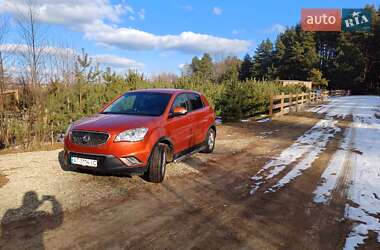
(141, 131)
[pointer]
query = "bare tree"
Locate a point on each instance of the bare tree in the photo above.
(4, 127)
(3, 33)
(32, 48)
(165, 77)
(33, 42)
(59, 64)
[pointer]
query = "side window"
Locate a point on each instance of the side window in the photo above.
(195, 102)
(180, 101)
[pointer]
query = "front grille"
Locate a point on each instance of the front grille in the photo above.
(87, 138)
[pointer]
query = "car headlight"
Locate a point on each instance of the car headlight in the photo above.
(68, 129)
(132, 135)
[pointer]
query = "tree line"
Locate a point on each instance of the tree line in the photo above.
(334, 60)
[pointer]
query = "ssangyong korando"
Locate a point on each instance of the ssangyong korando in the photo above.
(141, 131)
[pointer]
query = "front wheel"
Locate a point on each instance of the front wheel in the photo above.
(157, 164)
(210, 141)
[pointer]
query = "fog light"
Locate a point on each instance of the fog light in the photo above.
(130, 161)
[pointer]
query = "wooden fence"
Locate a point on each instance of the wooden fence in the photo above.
(13, 93)
(3, 97)
(282, 104)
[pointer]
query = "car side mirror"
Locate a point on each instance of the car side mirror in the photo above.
(178, 111)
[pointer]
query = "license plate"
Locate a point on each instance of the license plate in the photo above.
(84, 162)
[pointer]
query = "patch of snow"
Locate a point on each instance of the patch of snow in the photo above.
(364, 188)
(364, 224)
(333, 171)
(307, 147)
(267, 133)
(218, 120)
(265, 120)
(306, 162)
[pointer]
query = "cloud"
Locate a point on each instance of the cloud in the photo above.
(188, 7)
(188, 42)
(106, 60)
(181, 66)
(98, 20)
(118, 62)
(276, 28)
(238, 31)
(141, 14)
(23, 48)
(217, 11)
(69, 12)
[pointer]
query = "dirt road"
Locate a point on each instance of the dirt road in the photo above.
(305, 181)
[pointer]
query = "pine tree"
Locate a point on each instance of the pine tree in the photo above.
(227, 69)
(317, 78)
(295, 54)
(203, 67)
(206, 67)
(246, 68)
(263, 60)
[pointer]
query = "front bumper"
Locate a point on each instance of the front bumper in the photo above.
(105, 164)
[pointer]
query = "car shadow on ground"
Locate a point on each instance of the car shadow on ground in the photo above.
(64, 166)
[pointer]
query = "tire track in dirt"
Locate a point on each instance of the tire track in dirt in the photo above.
(292, 205)
(327, 227)
(300, 156)
(357, 184)
(340, 192)
(316, 227)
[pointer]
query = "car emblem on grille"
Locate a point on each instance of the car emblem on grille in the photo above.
(86, 139)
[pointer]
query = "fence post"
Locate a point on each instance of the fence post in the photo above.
(52, 137)
(17, 95)
(282, 103)
(291, 102)
(271, 105)
(297, 102)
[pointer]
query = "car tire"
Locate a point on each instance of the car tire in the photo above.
(157, 164)
(210, 141)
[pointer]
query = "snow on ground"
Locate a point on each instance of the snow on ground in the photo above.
(305, 150)
(264, 120)
(339, 107)
(317, 148)
(355, 166)
(333, 171)
(364, 185)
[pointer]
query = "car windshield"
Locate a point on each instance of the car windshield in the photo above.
(139, 103)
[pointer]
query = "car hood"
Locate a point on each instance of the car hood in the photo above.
(112, 123)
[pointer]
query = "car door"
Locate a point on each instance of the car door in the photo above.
(179, 128)
(199, 118)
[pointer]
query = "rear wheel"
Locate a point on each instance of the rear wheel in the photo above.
(157, 164)
(210, 141)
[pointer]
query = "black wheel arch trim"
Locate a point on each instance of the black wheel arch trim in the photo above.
(213, 127)
(166, 140)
